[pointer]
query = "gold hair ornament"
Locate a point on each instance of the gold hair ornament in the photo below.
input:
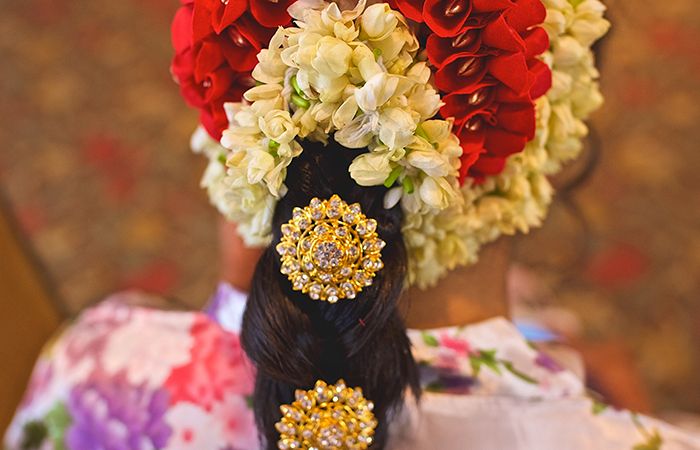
(327, 417)
(330, 250)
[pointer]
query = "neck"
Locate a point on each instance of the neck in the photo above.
(466, 295)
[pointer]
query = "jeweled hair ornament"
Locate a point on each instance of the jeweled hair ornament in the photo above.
(330, 250)
(327, 417)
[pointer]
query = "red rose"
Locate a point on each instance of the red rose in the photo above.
(216, 46)
(447, 18)
(270, 13)
(486, 67)
(412, 9)
(467, 42)
(204, 72)
(493, 123)
(525, 14)
(215, 15)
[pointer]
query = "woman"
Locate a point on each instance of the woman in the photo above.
(343, 168)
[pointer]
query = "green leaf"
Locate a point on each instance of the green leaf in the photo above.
(429, 339)
(295, 86)
(510, 368)
(222, 159)
(393, 176)
(300, 101)
(408, 185)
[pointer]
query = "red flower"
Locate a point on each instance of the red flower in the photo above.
(270, 13)
(215, 15)
(447, 18)
(216, 47)
(412, 9)
(492, 123)
(484, 54)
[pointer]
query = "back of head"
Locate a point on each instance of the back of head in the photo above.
(295, 341)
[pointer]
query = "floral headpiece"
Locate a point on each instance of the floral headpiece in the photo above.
(465, 107)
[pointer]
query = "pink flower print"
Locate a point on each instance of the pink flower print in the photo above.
(193, 428)
(237, 422)
(458, 345)
(217, 367)
(452, 352)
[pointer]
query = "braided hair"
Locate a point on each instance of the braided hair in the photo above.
(295, 341)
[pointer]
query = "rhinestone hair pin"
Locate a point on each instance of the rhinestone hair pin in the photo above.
(327, 417)
(330, 250)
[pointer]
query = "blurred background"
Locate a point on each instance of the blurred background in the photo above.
(99, 192)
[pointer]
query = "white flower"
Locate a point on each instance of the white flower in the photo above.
(378, 22)
(568, 51)
(363, 58)
(258, 163)
(169, 345)
(589, 25)
(345, 112)
(425, 101)
(376, 91)
(278, 126)
(396, 127)
(371, 169)
(422, 155)
(358, 133)
(436, 192)
(393, 197)
(420, 73)
(263, 92)
(270, 68)
(274, 178)
(332, 57)
(437, 130)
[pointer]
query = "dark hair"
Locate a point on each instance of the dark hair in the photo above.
(295, 341)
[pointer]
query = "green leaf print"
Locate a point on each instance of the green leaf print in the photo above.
(484, 358)
(429, 339)
(510, 368)
(34, 434)
(57, 422)
(653, 442)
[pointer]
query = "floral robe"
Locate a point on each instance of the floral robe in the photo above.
(129, 377)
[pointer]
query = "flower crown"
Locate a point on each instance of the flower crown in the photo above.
(464, 107)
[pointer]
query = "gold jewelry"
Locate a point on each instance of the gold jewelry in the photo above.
(327, 417)
(330, 250)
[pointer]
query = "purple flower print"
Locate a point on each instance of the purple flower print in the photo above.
(109, 413)
(546, 362)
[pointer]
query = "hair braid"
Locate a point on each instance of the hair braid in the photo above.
(295, 341)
